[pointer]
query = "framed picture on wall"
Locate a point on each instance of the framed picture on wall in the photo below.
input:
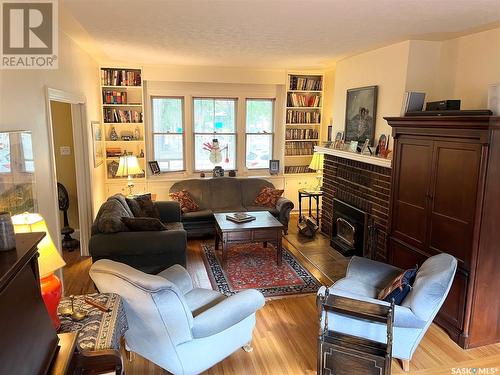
(361, 114)
(97, 143)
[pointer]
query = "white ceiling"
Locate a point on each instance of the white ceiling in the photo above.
(267, 33)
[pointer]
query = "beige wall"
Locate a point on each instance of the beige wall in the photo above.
(474, 61)
(65, 163)
(23, 107)
(460, 68)
(384, 67)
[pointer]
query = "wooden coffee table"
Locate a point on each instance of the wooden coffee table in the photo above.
(265, 228)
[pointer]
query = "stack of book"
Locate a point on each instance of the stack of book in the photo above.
(300, 148)
(114, 97)
(302, 83)
(113, 115)
(120, 77)
(240, 217)
(301, 100)
(302, 117)
(113, 152)
(298, 133)
(297, 169)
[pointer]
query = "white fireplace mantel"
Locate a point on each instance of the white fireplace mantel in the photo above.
(375, 160)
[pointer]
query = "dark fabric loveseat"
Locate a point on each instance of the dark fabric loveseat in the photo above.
(226, 194)
(148, 251)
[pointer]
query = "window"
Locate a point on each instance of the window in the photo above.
(259, 133)
(27, 149)
(214, 133)
(168, 133)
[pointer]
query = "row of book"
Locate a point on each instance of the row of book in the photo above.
(122, 115)
(301, 134)
(301, 100)
(297, 169)
(300, 148)
(114, 97)
(120, 77)
(302, 117)
(113, 152)
(302, 83)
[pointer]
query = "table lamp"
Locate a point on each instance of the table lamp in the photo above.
(127, 167)
(317, 165)
(49, 261)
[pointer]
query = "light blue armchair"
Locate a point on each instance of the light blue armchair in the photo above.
(363, 281)
(182, 329)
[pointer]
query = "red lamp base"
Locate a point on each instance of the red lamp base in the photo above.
(51, 294)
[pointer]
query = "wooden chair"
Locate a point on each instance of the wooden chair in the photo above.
(342, 354)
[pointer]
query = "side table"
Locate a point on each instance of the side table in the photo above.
(311, 194)
(99, 333)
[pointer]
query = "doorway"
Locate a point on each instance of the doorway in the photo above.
(67, 189)
(70, 168)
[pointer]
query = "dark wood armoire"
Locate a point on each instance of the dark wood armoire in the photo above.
(445, 197)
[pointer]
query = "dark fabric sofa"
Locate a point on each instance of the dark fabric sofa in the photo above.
(149, 252)
(225, 194)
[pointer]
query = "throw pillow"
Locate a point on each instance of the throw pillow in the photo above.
(143, 206)
(109, 217)
(143, 224)
(268, 197)
(398, 288)
(185, 200)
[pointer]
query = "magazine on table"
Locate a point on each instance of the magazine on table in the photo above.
(240, 217)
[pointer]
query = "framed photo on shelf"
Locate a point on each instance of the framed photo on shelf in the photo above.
(155, 167)
(97, 143)
(382, 145)
(274, 167)
(339, 140)
(361, 114)
(353, 146)
(365, 146)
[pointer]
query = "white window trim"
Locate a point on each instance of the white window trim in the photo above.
(194, 133)
(273, 127)
(183, 134)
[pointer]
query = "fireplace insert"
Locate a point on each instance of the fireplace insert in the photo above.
(349, 229)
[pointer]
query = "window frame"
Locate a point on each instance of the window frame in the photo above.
(273, 128)
(183, 134)
(195, 133)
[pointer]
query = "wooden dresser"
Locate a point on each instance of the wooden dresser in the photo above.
(445, 197)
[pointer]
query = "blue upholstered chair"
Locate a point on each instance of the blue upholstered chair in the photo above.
(182, 329)
(363, 281)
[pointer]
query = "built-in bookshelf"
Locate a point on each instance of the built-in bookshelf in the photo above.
(122, 106)
(304, 105)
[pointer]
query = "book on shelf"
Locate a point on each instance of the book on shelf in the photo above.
(304, 148)
(240, 217)
(114, 97)
(295, 116)
(302, 100)
(115, 115)
(298, 133)
(113, 152)
(298, 169)
(120, 77)
(306, 83)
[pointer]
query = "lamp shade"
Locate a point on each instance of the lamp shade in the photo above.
(49, 259)
(128, 166)
(317, 161)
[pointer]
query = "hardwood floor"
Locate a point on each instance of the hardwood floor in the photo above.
(285, 335)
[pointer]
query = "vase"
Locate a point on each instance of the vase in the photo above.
(113, 135)
(7, 235)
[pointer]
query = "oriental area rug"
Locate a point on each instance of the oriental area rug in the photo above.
(252, 266)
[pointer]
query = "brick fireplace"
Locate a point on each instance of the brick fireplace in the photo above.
(362, 182)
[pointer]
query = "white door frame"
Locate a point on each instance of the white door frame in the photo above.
(82, 164)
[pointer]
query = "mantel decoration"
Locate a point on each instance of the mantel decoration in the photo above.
(361, 114)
